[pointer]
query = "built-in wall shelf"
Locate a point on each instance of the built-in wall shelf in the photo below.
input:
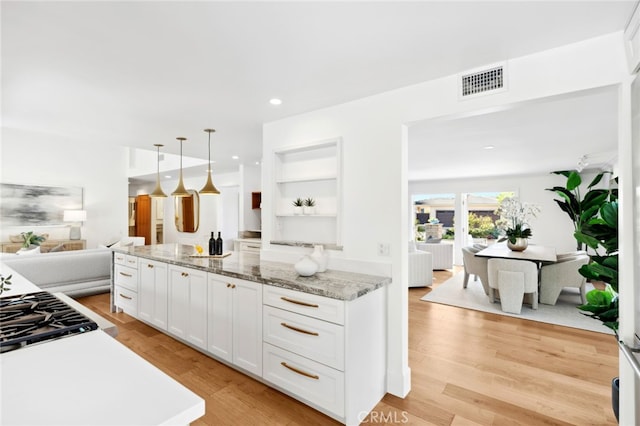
(312, 170)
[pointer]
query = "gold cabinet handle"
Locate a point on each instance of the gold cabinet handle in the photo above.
(228, 285)
(299, 330)
(125, 297)
(253, 247)
(302, 373)
(233, 286)
(184, 274)
(149, 265)
(126, 275)
(297, 302)
(131, 261)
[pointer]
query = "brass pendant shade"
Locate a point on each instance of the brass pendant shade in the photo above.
(209, 187)
(158, 192)
(180, 191)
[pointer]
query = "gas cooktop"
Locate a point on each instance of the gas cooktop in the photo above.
(37, 317)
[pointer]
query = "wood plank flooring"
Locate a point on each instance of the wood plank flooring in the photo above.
(467, 368)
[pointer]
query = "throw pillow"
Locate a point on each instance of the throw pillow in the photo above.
(59, 247)
(28, 252)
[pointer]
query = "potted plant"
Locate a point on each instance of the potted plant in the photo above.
(601, 235)
(580, 209)
(31, 240)
(309, 206)
(298, 203)
(514, 222)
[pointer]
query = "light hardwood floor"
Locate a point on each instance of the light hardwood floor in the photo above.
(467, 368)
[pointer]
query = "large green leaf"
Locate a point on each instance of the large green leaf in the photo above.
(573, 180)
(609, 213)
(596, 180)
(595, 197)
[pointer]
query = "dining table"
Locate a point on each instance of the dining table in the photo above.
(533, 252)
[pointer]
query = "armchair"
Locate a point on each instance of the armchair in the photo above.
(564, 273)
(476, 266)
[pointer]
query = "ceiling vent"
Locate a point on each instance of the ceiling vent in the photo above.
(483, 81)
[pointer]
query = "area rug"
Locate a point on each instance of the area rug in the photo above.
(563, 313)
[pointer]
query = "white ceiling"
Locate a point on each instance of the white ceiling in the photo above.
(139, 73)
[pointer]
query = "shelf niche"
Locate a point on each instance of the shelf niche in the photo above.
(312, 170)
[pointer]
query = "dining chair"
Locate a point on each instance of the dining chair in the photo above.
(513, 279)
(476, 266)
(564, 273)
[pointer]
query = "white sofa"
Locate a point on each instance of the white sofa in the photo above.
(75, 273)
(420, 267)
(442, 254)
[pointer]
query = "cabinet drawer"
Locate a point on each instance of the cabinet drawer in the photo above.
(127, 300)
(125, 260)
(250, 247)
(312, 338)
(304, 303)
(126, 277)
(314, 383)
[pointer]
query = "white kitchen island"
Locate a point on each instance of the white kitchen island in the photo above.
(87, 379)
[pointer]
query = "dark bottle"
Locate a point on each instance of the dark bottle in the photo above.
(219, 244)
(212, 245)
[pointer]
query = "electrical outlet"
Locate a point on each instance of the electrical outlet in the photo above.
(384, 249)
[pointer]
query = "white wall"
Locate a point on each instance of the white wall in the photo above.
(50, 160)
(374, 138)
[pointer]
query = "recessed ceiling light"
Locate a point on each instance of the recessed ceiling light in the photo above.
(235, 157)
(488, 147)
(257, 163)
(167, 176)
(275, 101)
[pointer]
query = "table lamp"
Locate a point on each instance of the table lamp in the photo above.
(75, 216)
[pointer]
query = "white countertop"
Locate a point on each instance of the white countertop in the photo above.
(90, 379)
(87, 379)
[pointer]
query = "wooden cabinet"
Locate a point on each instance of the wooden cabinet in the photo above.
(187, 308)
(153, 286)
(308, 171)
(47, 245)
(256, 200)
(235, 322)
(125, 281)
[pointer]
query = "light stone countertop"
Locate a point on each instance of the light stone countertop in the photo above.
(247, 266)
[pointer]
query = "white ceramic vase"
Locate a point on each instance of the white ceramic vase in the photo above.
(321, 257)
(306, 267)
(297, 210)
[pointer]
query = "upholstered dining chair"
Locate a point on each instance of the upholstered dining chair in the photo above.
(474, 265)
(513, 279)
(564, 273)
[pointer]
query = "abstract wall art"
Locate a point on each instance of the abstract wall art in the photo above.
(37, 205)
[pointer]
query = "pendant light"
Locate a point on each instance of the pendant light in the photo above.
(180, 190)
(209, 187)
(158, 192)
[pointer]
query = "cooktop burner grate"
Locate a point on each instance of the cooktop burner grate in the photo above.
(36, 317)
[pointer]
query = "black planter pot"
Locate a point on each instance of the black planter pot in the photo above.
(615, 397)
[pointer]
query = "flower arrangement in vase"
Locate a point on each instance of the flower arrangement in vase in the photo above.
(514, 221)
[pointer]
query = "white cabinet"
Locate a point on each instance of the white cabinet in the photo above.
(308, 171)
(187, 313)
(153, 293)
(325, 352)
(235, 322)
(125, 283)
